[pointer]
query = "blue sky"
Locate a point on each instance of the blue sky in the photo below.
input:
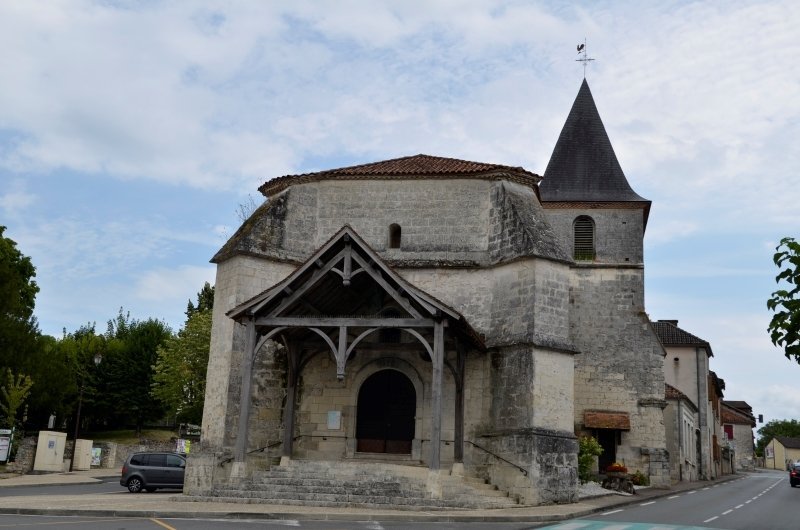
(130, 132)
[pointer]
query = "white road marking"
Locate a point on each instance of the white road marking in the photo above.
(738, 506)
(704, 489)
(709, 520)
(374, 526)
(748, 502)
(727, 512)
(647, 503)
(692, 492)
(612, 511)
(673, 497)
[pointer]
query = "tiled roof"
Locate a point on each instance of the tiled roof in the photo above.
(670, 392)
(741, 405)
(734, 415)
(409, 167)
(671, 335)
(789, 443)
(583, 166)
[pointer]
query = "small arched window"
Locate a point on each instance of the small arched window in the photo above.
(395, 235)
(583, 242)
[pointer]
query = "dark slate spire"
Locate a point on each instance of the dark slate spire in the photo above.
(583, 166)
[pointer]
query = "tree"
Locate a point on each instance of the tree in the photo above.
(205, 300)
(14, 393)
(789, 428)
(784, 327)
(179, 381)
(126, 373)
(19, 331)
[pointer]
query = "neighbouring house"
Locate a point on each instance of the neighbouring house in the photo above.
(781, 451)
(738, 422)
(429, 318)
(686, 369)
(683, 435)
(722, 451)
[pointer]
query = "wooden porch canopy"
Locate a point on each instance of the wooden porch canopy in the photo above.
(341, 295)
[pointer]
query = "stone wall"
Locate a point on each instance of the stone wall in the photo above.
(618, 233)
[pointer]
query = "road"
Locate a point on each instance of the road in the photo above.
(758, 501)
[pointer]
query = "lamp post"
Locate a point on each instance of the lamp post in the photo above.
(98, 358)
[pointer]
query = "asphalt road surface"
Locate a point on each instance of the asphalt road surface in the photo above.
(757, 501)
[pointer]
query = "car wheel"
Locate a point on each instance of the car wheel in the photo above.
(150, 490)
(135, 484)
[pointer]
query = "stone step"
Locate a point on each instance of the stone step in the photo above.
(354, 499)
(366, 484)
(319, 504)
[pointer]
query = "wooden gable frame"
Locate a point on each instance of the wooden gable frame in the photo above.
(305, 304)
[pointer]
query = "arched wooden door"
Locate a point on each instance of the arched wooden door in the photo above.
(387, 404)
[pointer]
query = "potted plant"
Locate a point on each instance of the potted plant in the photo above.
(616, 470)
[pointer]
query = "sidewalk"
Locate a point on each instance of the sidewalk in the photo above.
(169, 504)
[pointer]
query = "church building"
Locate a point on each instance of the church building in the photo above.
(447, 326)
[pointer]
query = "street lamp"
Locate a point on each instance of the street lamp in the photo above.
(98, 358)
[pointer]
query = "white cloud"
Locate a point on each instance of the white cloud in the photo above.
(15, 199)
(173, 287)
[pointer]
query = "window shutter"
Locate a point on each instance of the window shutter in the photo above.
(584, 239)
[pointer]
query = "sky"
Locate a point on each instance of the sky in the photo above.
(131, 133)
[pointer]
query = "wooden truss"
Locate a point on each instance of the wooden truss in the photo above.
(334, 299)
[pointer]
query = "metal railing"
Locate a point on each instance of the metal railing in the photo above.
(325, 437)
(522, 469)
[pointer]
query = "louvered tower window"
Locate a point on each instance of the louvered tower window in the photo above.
(583, 247)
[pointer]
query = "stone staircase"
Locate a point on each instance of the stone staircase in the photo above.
(376, 485)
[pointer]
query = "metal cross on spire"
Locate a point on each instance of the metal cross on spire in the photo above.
(584, 59)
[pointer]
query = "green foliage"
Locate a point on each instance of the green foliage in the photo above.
(16, 280)
(14, 392)
(588, 449)
(126, 375)
(19, 333)
(784, 327)
(205, 301)
(640, 479)
(789, 428)
(179, 379)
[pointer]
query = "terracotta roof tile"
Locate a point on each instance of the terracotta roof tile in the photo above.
(409, 167)
(671, 335)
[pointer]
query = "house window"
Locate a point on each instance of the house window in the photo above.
(728, 431)
(395, 234)
(583, 244)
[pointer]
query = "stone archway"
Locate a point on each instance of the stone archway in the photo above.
(386, 410)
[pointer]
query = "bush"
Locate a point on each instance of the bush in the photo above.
(640, 479)
(588, 449)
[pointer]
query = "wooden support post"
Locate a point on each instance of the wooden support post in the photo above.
(292, 365)
(244, 398)
(341, 353)
(436, 396)
(461, 361)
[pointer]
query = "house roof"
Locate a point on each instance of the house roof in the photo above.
(669, 334)
(408, 168)
(789, 443)
(734, 415)
(741, 405)
(670, 392)
(583, 166)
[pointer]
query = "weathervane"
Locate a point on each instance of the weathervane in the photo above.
(584, 59)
